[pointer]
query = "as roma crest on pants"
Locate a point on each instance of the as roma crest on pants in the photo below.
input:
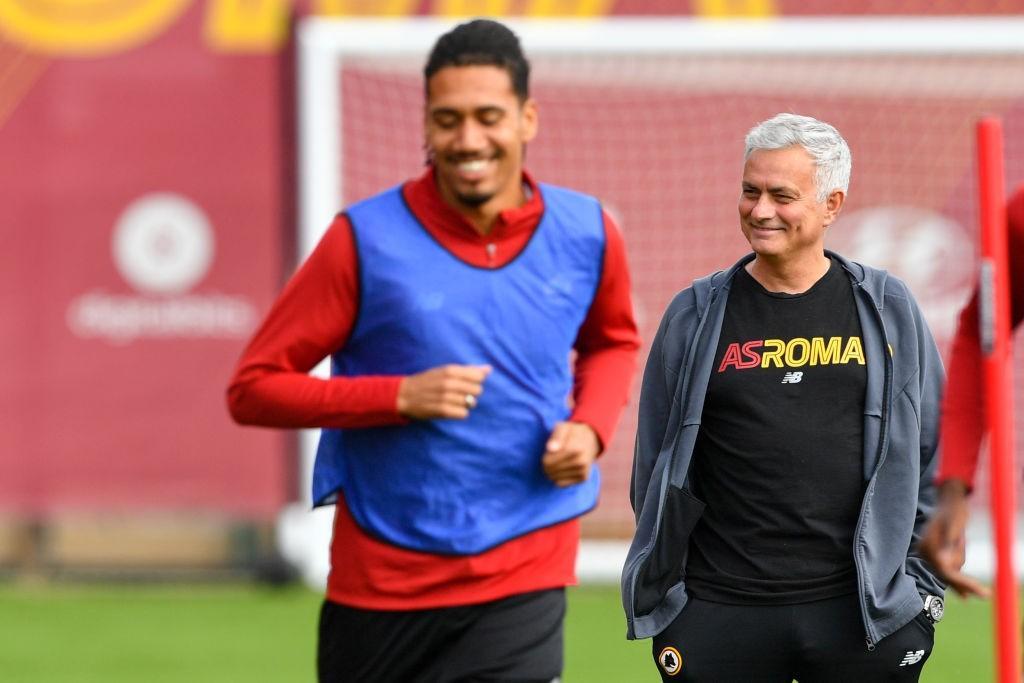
(670, 661)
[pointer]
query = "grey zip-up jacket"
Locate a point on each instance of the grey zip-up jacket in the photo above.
(901, 419)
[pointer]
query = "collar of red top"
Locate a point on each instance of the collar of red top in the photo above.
(425, 201)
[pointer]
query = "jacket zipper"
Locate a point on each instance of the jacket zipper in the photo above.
(883, 433)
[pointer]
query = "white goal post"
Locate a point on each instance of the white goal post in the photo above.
(841, 65)
(324, 44)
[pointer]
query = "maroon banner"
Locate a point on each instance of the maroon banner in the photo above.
(144, 219)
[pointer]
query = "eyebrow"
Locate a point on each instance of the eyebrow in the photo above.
(773, 190)
(476, 111)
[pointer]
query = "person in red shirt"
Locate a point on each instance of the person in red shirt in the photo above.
(944, 543)
(533, 273)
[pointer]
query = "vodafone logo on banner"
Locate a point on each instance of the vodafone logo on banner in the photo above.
(163, 246)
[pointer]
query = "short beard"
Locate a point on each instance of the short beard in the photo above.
(474, 201)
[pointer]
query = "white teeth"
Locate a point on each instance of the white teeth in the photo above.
(473, 166)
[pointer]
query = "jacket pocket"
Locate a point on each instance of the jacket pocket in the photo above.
(664, 566)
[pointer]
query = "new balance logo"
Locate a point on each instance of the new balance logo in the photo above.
(792, 377)
(912, 657)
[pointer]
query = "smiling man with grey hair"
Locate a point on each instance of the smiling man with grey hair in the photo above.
(786, 447)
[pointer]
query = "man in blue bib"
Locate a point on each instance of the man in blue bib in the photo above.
(459, 439)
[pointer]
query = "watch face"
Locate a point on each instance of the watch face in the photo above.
(935, 608)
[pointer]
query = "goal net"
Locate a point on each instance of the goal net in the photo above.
(650, 115)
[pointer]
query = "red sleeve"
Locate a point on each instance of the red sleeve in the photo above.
(607, 343)
(963, 405)
(311, 319)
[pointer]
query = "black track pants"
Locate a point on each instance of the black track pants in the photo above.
(513, 640)
(815, 642)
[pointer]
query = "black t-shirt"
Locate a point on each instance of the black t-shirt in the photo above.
(779, 456)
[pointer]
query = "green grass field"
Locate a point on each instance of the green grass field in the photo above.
(231, 633)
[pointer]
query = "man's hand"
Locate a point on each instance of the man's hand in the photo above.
(571, 450)
(449, 391)
(944, 544)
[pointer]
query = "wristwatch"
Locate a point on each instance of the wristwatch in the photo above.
(933, 608)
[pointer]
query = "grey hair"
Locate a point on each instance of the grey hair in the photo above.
(826, 146)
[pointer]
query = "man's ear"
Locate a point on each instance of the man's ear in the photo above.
(833, 205)
(529, 118)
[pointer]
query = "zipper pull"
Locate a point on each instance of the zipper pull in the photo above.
(867, 641)
(491, 249)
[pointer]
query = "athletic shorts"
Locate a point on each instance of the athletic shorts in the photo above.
(814, 642)
(513, 640)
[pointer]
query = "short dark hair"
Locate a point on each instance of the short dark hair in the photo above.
(481, 42)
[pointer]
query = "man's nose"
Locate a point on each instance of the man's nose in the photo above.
(470, 136)
(763, 209)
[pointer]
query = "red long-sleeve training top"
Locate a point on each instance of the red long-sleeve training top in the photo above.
(314, 316)
(963, 406)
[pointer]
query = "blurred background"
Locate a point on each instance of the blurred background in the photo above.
(153, 159)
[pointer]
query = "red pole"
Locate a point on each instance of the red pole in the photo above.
(994, 319)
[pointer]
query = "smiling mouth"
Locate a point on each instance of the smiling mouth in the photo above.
(472, 166)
